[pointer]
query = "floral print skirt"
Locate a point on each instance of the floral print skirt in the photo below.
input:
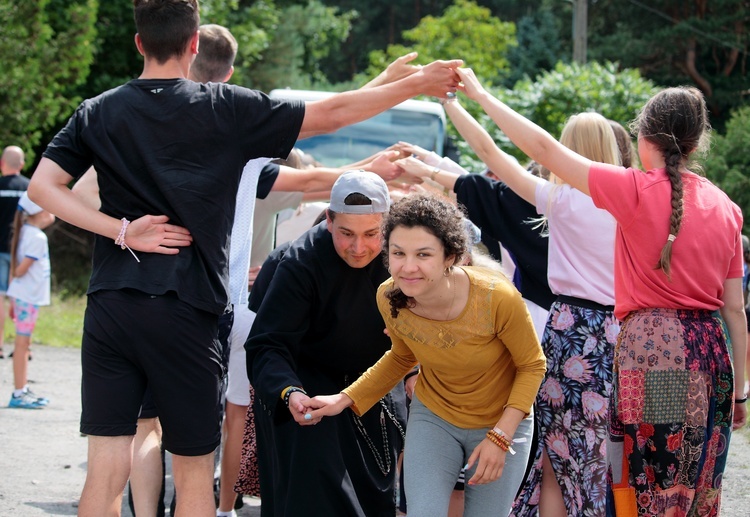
(672, 409)
(571, 408)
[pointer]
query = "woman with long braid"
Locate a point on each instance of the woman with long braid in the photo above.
(678, 290)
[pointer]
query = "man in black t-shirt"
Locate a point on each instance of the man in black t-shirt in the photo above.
(12, 186)
(162, 144)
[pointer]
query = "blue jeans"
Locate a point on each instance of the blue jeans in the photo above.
(434, 454)
(4, 272)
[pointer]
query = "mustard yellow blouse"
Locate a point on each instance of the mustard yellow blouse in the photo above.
(471, 367)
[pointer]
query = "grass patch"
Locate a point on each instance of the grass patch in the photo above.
(59, 324)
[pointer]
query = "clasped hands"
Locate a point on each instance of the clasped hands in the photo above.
(309, 411)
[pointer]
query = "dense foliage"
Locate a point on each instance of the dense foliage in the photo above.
(45, 52)
(55, 52)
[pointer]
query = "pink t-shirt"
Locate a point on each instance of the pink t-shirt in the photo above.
(581, 244)
(707, 251)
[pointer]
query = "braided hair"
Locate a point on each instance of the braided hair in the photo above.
(675, 121)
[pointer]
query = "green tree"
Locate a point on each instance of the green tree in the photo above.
(465, 30)
(554, 96)
(253, 24)
(538, 48)
(45, 53)
(304, 36)
(699, 42)
(728, 163)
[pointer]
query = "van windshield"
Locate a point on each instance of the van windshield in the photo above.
(356, 142)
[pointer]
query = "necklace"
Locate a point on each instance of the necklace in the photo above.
(453, 299)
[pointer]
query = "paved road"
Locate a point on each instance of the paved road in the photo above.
(43, 457)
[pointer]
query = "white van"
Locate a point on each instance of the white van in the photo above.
(417, 122)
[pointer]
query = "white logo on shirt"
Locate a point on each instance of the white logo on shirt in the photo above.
(157, 90)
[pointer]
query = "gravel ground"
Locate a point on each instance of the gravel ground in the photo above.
(43, 456)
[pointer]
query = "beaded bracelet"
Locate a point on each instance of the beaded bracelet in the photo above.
(494, 439)
(501, 437)
(287, 393)
(120, 240)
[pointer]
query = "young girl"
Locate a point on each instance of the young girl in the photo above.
(29, 289)
(678, 263)
(480, 364)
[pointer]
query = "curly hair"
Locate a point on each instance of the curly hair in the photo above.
(437, 216)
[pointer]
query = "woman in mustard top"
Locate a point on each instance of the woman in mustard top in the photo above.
(480, 364)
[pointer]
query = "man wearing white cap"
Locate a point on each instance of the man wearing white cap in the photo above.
(317, 328)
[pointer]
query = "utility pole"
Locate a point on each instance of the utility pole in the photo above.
(580, 36)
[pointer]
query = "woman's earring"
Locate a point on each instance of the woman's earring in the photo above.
(447, 272)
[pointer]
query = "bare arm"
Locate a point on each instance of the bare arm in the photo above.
(343, 109)
(23, 267)
(733, 313)
(305, 180)
(49, 189)
(87, 188)
(399, 69)
(420, 169)
(321, 179)
(504, 166)
(534, 141)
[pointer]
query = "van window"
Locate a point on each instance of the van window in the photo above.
(353, 143)
(417, 122)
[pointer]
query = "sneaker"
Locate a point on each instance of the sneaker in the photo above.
(42, 400)
(25, 401)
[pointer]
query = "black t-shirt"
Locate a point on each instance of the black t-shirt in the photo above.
(12, 188)
(505, 216)
(177, 148)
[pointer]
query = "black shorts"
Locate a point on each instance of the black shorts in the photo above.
(747, 317)
(148, 406)
(132, 340)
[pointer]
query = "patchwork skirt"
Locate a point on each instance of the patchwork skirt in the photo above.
(671, 415)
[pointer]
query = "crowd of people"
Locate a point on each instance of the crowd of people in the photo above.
(494, 343)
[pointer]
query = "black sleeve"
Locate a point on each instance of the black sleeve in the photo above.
(263, 280)
(267, 127)
(282, 321)
(506, 217)
(67, 148)
(267, 178)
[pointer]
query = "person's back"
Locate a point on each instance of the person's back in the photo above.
(131, 127)
(695, 280)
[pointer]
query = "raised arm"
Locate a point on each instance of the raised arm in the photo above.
(398, 69)
(503, 165)
(343, 109)
(534, 141)
(49, 189)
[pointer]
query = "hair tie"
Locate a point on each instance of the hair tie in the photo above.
(671, 237)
